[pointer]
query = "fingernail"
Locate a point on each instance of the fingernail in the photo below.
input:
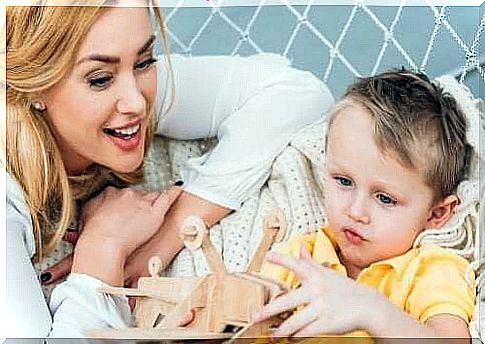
(179, 183)
(45, 277)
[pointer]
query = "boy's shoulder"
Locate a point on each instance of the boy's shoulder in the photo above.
(434, 254)
(432, 280)
(425, 260)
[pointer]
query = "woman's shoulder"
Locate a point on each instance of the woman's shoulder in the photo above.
(18, 214)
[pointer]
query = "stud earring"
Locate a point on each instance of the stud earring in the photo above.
(38, 105)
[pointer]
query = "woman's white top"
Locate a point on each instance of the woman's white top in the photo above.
(253, 105)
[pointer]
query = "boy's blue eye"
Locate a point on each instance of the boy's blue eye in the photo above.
(343, 181)
(384, 199)
(145, 63)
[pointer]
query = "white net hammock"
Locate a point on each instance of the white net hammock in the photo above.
(219, 30)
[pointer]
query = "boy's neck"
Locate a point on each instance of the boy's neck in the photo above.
(352, 270)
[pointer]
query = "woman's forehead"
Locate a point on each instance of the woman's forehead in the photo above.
(118, 30)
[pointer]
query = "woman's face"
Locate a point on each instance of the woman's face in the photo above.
(99, 112)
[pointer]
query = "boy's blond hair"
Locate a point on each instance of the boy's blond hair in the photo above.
(416, 122)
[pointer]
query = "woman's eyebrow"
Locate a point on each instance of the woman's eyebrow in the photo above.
(101, 58)
(147, 45)
(115, 59)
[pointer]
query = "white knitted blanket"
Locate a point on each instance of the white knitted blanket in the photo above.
(293, 187)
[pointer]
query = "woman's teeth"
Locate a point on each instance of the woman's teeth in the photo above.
(125, 133)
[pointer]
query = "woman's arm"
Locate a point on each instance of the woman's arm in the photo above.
(253, 105)
(115, 223)
(167, 242)
(75, 304)
(27, 314)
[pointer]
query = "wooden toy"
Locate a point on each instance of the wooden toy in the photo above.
(221, 303)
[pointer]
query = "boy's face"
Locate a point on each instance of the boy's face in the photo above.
(375, 206)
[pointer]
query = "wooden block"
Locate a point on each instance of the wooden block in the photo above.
(239, 309)
(186, 305)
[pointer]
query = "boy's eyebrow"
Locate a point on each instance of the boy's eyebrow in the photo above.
(115, 59)
(382, 185)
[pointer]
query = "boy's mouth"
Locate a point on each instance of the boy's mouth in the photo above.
(353, 235)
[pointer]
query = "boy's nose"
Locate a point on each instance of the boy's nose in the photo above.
(357, 211)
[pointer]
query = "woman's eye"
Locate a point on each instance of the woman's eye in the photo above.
(100, 82)
(145, 63)
(385, 199)
(343, 181)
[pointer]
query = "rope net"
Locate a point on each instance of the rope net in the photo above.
(301, 34)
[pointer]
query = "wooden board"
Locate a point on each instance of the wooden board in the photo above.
(156, 334)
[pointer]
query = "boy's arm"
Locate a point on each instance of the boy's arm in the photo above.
(449, 325)
(336, 305)
(387, 320)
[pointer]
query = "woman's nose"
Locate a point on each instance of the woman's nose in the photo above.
(131, 100)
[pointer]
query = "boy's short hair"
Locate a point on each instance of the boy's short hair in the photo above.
(418, 123)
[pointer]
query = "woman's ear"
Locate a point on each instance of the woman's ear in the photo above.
(442, 211)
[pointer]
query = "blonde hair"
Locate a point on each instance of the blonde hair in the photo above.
(42, 43)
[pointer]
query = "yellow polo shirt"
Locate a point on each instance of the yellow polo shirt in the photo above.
(423, 282)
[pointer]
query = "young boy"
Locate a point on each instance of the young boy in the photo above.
(396, 151)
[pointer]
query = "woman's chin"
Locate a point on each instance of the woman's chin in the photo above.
(127, 166)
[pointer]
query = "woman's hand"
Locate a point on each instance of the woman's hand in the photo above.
(334, 304)
(167, 242)
(113, 225)
(127, 217)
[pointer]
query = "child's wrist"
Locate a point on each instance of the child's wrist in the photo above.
(376, 313)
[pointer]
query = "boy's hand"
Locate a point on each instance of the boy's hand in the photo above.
(334, 304)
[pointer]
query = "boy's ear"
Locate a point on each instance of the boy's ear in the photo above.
(442, 211)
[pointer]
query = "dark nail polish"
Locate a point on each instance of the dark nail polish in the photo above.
(45, 277)
(179, 183)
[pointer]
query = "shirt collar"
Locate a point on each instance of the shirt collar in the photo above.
(399, 263)
(325, 251)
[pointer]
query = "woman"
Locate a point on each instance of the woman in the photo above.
(82, 102)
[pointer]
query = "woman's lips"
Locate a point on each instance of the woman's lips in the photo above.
(353, 236)
(127, 144)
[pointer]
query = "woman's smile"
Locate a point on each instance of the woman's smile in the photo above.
(127, 137)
